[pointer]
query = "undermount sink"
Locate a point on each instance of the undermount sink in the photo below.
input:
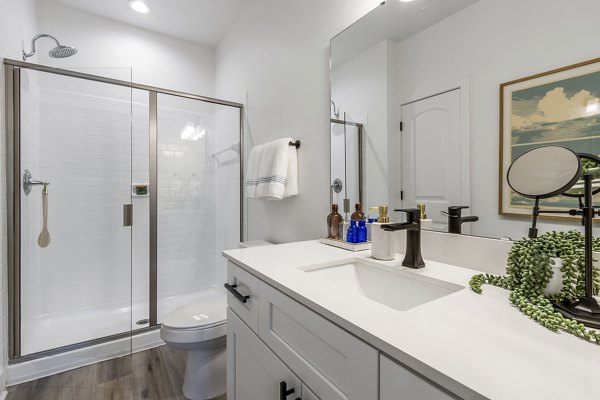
(391, 286)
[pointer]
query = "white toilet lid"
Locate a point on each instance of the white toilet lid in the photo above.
(204, 313)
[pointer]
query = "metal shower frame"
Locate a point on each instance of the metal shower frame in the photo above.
(13, 180)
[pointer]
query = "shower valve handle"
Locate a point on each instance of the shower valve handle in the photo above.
(28, 182)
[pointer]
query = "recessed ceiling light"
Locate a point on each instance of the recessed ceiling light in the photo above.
(139, 6)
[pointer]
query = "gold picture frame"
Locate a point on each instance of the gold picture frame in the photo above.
(557, 107)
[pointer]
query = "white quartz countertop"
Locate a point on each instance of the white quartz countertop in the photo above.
(477, 346)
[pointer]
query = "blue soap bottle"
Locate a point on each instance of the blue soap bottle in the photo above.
(354, 229)
(362, 231)
(349, 238)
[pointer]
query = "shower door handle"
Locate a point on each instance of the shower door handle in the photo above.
(127, 214)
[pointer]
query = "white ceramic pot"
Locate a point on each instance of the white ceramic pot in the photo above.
(555, 285)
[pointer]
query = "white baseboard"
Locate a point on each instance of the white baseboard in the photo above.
(54, 364)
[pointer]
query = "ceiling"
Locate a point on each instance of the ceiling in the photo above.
(203, 22)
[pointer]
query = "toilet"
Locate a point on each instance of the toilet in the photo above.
(200, 329)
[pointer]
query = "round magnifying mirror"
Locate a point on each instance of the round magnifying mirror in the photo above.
(589, 164)
(543, 172)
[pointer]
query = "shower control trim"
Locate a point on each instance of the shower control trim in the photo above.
(28, 182)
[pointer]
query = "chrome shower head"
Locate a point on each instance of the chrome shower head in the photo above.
(60, 51)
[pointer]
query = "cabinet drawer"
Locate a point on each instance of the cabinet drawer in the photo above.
(400, 383)
(246, 285)
(332, 362)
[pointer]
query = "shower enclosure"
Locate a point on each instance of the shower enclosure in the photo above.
(139, 208)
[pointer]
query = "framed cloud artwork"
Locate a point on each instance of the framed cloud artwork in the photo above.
(559, 107)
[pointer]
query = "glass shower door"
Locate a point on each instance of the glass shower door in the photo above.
(198, 198)
(76, 135)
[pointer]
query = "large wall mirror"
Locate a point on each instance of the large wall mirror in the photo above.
(415, 105)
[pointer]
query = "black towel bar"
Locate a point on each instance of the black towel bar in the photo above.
(295, 144)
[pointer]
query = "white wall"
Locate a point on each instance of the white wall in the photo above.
(17, 25)
(494, 42)
(155, 59)
(277, 53)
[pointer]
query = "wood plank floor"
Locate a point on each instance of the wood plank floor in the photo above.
(155, 374)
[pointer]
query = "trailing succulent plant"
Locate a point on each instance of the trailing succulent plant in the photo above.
(528, 271)
(587, 164)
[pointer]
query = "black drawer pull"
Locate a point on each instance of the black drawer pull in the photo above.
(237, 294)
(284, 392)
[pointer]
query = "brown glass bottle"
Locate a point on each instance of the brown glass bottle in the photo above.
(334, 223)
(358, 215)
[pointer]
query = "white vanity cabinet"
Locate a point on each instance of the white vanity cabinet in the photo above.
(398, 383)
(242, 295)
(334, 363)
(307, 394)
(272, 338)
(253, 371)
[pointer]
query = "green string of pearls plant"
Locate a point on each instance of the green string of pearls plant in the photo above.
(528, 271)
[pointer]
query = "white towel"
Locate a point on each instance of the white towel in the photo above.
(272, 170)
(277, 170)
(252, 172)
(291, 181)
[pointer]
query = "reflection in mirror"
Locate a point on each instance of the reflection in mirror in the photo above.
(346, 165)
(589, 164)
(426, 165)
(423, 79)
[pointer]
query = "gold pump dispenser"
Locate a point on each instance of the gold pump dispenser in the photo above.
(383, 214)
(421, 208)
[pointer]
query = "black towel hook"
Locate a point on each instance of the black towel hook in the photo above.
(296, 144)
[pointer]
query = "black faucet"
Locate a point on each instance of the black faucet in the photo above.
(455, 219)
(412, 258)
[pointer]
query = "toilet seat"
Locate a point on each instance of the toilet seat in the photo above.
(193, 335)
(201, 321)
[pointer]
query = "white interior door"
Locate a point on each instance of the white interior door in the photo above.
(431, 155)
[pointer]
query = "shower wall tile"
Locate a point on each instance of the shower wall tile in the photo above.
(91, 145)
(140, 174)
(186, 202)
(88, 261)
(227, 191)
(30, 208)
